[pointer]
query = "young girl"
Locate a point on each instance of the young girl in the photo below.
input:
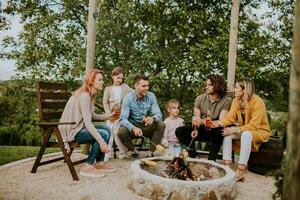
(172, 122)
(112, 100)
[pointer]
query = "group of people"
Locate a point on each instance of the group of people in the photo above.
(240, 124)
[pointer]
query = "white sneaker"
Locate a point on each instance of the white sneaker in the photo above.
(122, 155)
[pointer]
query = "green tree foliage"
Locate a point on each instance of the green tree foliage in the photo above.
(274, 77)
(18, 114)
(52, 44)
(177, 43)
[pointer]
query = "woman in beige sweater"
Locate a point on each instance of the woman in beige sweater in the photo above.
(112, 100)
(80, 109)
(249, 111)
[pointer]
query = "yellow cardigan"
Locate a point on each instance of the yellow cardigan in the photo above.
(256, 121)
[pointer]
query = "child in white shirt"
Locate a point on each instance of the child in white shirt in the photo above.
(172, 122)
(112, 100)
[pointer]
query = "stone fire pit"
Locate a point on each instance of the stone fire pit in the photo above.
(154, 186)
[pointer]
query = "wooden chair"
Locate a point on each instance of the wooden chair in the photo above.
(52, 98)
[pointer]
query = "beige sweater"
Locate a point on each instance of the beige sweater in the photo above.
(80, 109)
(109, 99)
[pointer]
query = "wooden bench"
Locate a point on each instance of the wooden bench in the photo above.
(268, 158)
(52, 98)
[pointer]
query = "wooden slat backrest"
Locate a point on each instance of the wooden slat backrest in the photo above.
(52, 98)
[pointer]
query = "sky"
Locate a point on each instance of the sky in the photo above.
(7, 67)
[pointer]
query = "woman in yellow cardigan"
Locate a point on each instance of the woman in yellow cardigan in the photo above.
(253, 128)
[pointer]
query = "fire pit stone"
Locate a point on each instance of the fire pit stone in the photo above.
(157, 187)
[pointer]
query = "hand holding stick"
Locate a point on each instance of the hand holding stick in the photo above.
(194, 134)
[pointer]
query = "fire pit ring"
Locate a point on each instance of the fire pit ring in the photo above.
(156, 187)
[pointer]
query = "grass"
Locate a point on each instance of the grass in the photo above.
(12, 153)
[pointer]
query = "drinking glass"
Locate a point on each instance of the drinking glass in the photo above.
(117, 109)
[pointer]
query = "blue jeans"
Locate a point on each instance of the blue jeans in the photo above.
(85, 137)
(176, 148)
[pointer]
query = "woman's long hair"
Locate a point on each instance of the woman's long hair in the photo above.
(248, 88)
(88, 83)
(116, 71)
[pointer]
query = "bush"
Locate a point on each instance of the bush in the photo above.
(9, 135)
(279, 177)
(278, 127)
(32, 137)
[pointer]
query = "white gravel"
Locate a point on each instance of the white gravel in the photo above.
(54, 181)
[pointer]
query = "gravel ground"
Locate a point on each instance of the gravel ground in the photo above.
(54, 181)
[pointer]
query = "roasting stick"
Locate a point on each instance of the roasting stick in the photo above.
(157, 146)
(195, 129)
(148, 140)
(190, 143)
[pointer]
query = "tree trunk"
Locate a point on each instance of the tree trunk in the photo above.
(91, 39)
(292, 171)
(234, 25)
(90, 49)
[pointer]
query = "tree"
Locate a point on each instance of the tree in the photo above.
(177, 43)
(52, 45)
(273, 77)
(292, 172)
(18, 121)
(232, 54)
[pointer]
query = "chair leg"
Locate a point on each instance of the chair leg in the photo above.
(115, 149)
(66, 155)
(38, 159)
(70, 153)
(70, 163)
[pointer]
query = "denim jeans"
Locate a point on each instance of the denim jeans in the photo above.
(173, 150)
(84, 137)
(214, 135)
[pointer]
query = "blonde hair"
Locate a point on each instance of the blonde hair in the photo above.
(248, 88)
(168, 105)
(88, 83)
(116, 71)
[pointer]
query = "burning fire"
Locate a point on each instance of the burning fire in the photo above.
(179, 168)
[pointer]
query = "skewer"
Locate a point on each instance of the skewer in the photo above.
(195, 129)
(190, 143)
(157, 146)
(148, 140)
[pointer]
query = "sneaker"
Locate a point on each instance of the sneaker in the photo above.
(90, 171)
(122, 155)
(104, 167)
